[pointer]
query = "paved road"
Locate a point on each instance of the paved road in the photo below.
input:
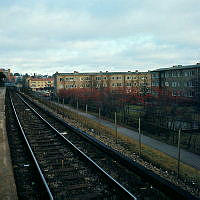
(186, 157)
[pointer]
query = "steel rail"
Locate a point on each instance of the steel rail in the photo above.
(32, 154)
(167, 187)
(116, 183)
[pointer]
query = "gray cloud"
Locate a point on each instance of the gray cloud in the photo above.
(49, 36)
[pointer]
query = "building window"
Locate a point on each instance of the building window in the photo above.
(174, 93)
(155, 75)
(155, 84)
(71, 86)
(128, 84)
(85, 78)
(87, 85)
(69, 78)
(104, 85)
(190, 84)
(191, 73)
(167, 84)
(191, 94)
(174, 74)
(174, 84)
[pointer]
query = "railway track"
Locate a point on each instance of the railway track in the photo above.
(72, 165)
(66, 172)
(26, 176)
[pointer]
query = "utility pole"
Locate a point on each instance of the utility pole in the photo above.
(99, 112)
(58, 106)
(77, 105)
(86, 108)
(139, 130)
(179, 152)
(115, 127)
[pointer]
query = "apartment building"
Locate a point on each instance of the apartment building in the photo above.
(116, 81)
(39, 83)
(182, 81)
(7, 73)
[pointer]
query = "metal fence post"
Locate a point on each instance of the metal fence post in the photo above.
(115, 127)
(179, 153)
(99, 113)
(139, 130)
(77, 105)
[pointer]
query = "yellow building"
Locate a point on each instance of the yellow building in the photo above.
(116, 81)
(39, 83)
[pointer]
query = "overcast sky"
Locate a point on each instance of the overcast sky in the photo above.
(46, 36)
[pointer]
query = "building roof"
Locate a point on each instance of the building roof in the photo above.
(178, 67)
(99, 73)
(4, 70)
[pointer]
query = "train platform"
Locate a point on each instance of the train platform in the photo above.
(7, 182)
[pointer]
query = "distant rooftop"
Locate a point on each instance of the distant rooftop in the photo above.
(178, 67)
(100, 73)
